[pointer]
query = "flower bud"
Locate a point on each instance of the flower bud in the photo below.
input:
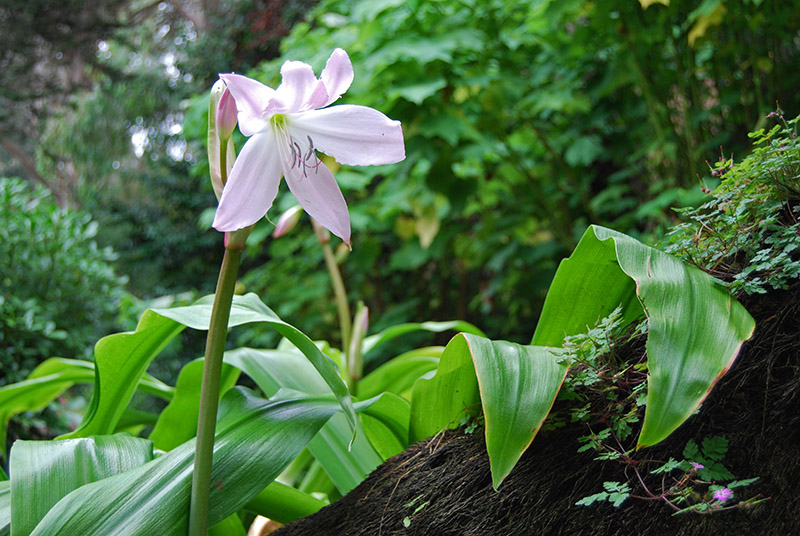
(287, 221)
(226, 115)
(216, 143)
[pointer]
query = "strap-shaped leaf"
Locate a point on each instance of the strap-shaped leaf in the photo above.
(257, 438)
(283, 503)
(42, 472)
(121, 359)
(249, 308)
(399, 373)
(516, 385)
(392, 332)
(177, 423)
(51, 378)
(695, 331)
(347, 465)
(441, 400)
(5, 508)
(230, 526)
(386, 424)
(695, 327)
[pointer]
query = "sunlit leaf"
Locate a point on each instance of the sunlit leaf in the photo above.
(386, 424)
(249, 308)
(230, 526)
(346, 465)
(399, 374)
(42, 472)
(374, 341)
(587, 287)
(122, 358)
(695, 328)
(177, 423)
(51, 378)
(256, 439)
(443, 400)
(517, 387)
(283, 503)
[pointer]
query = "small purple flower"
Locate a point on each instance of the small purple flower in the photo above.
(697, 466)
(723, 494)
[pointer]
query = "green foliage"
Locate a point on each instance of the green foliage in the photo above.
(153, 497)
(514, 385)
(615, 492)
(44, 472)
(601, 389)
(710, 457)
(122, 358)
(49, 380)
(695, 330)
(747, 233)
(58, 289)
(523, 123)
(703, 485)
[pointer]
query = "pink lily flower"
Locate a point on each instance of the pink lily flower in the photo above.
(286, 127)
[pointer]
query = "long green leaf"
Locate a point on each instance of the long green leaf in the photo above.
(249, 308)
(42, 472)
(695, 327)
(51, 378)
(399, 373)
(587, 287)
(178, 421)
(5, 508)
(257, 438)
(283, 503)
(443, 399)
(696, 330)
(230, 526)
(516, 385)
(386, 424)
(374, 341)
(120, 360)
(134, 421)
(346, 465)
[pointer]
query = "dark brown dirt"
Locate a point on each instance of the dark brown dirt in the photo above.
(442, 486)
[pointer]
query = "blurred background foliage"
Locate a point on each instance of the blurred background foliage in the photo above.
(58, 289)
(524, 122)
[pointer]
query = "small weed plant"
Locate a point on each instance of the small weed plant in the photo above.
(747, 234)
(606, 393)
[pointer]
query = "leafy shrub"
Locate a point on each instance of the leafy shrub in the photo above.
(58, 290)
(747, 233)
(524, 122)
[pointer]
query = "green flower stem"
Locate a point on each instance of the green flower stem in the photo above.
(209, 393)
(339, 292)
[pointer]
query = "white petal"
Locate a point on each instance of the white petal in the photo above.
(337, 75)
(299, 90)
(251, 98)
(354, 135)
(252, 184)
(314, 187)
